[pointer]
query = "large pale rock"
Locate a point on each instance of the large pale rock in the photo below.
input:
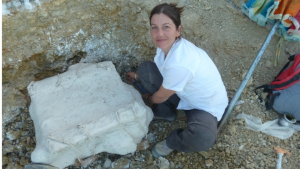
(84, 111)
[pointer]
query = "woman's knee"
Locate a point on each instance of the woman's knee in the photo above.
(147, 63)
(145, 67)
(202, 138)
(150, 76)
(207, 143)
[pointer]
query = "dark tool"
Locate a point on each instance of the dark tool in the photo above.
(140, 87)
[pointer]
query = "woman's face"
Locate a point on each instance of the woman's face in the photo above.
(163, 31)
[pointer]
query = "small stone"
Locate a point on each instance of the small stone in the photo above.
(163, 163)
(107, 163)
(98, 167)
(148, 157)
(268, 63)
(236, 161)
(7, 147)
(249, 158)
(225, 166)
(222, 154)
(232, 130)
(23, 161)
(12, 135)
(277, 140)
(271, 139)
(172, 165)
(207, 7)
(13, 166)
(204, 154)
(179, 165)
(209, 163)
(227, 150)
(186, 167)
(4, 160)
(237, 108)
(9, 166)
(84, 162)
(24, 133)
(18, 125)
(294, 138)
(121, 163)
(30, 148)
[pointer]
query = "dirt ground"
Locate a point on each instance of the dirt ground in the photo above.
(233, 41)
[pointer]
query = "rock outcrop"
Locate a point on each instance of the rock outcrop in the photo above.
(85, 111)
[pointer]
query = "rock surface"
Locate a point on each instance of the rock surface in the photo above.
(13, 101)
(75, 118)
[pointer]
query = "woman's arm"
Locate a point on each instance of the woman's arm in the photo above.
(160, 96)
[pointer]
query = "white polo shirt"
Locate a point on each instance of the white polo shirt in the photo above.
(190, 72)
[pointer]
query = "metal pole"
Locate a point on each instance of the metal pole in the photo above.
(247, 77)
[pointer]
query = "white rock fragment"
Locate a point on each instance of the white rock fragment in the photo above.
(163, 163)
(85, 111)
(5, 11)
(27, 5)
(207, 7)
(239, 102)
(209, 163)
(151, 137)
(107, 163)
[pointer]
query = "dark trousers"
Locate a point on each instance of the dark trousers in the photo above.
(201, 131)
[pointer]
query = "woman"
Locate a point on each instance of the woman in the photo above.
(183, 77)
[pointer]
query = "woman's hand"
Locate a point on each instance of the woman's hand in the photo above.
(131, 76)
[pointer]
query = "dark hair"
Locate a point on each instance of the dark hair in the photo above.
(171, 10)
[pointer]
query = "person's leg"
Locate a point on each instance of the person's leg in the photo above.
(200, 134)
(150, 76)
(151, 79)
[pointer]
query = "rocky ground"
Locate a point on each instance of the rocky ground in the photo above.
(237, 147)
